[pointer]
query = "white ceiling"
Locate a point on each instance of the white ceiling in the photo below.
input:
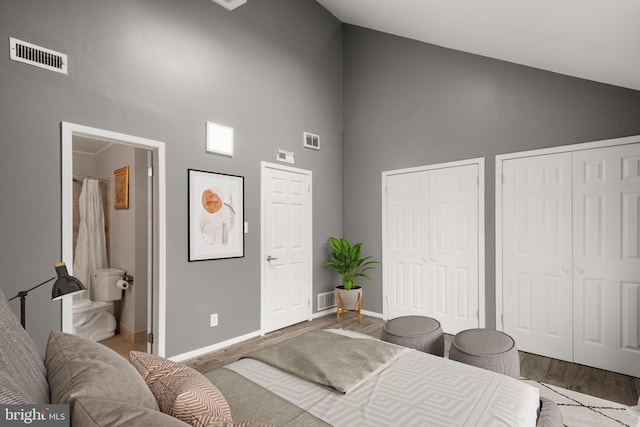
(88, 145)
(592, 39)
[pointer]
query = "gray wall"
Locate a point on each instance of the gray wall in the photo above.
(160, 69)
(409, 104)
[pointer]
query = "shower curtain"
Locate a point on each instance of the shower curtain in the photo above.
(91, 247)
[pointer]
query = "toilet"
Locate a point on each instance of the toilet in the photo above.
(93, 318)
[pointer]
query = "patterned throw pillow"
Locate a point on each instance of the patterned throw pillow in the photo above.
(182, 392)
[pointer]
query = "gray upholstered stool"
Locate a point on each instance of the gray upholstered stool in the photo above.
(550, 414)
(488, 349)
(419, 332)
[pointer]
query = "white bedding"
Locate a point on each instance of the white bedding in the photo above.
(418, 389)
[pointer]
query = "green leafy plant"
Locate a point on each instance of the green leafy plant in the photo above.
(348, 262)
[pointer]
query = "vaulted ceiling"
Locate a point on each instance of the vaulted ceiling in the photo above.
(592, 39)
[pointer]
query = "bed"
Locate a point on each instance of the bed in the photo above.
(383, 384)
(398, 387)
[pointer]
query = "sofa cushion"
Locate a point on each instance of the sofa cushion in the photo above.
(23, 377)
(182, 391)
(90, 412)
(79, 368)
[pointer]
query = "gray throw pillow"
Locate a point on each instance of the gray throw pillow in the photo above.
(79, 368)
(23, 377)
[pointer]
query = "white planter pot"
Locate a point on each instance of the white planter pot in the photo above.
(349, 299)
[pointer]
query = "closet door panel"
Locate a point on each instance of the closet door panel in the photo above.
(537, 262)
(606, 200)
(407, 250)
(453, 247)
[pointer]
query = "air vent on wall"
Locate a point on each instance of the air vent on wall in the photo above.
(286, 156)
(230, 4)
(37, 56)
(311, 141)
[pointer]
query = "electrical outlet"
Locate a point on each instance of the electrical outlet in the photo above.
(214, 320)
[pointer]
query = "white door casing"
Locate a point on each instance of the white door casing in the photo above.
(537, 259)
(157, 275)
(286, 246)
(433, 243)
(606, 204)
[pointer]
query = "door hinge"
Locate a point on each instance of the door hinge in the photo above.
(150, 337)
(150, 171)
(503, 178)
(308, 302)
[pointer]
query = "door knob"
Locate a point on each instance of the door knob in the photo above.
(579, 270)
(270, 258)
(565, 270)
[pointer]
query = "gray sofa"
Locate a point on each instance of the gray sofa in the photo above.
(104, 389)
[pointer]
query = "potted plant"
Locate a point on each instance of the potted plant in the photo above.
(347, 260)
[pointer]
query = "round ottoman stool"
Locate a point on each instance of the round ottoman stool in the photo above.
(419, 332)
(488, 349)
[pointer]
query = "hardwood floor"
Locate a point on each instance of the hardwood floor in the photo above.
(123, 346)
(596, 382)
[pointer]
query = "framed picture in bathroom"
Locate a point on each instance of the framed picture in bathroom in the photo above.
(216, 215)
(121, 188)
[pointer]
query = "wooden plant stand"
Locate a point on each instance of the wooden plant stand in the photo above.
(344, 310)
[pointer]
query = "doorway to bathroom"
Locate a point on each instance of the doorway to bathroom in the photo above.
(113, 195)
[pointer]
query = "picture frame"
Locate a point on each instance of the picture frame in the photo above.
(121, 188)
(215, 215)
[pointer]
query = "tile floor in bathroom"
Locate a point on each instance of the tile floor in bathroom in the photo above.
(123, 346)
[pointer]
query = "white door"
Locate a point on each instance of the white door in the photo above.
(607, 258)
(537, 297)
(431, 237)
(286, 246)
(407, 244)
(453, 247)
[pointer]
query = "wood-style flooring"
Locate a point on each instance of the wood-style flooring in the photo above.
(123, 346)
(596, 382)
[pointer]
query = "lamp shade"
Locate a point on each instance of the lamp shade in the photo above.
(65, 284)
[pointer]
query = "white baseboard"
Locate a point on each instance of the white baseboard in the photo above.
(236, 340)
(324, 313)
(214, 347)
(372, 314)
(333, 311)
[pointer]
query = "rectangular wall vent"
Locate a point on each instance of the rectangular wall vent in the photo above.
(286, 156)
(37, 56)
(311, 141)
(230, 4)
(326, 300)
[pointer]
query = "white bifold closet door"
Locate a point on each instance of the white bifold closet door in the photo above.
(606, 204)
(432, 246)
(571, 256)
(537, 262)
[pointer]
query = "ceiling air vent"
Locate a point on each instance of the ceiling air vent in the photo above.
(311, 141)
(38, 56)
(230, 4)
